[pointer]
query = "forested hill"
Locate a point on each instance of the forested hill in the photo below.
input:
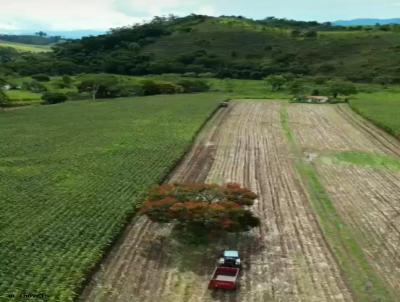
(229, 47)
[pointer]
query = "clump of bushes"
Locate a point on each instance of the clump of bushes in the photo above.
(105, 86)
(150, 87)
(194, 86)
(337, 88)
(41, 77)
(53, 98)
(4, 100)
(34, 86)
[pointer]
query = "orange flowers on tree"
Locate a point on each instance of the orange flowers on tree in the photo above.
(206, 207)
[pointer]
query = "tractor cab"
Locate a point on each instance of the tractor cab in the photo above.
(230, 259)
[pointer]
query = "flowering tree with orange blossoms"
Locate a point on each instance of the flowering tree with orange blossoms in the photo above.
(206, 207)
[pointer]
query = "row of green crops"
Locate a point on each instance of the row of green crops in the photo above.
(71, 174)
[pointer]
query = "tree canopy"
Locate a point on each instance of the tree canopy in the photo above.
(204, 207)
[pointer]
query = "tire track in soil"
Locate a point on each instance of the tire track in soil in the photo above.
(286, 259)
(367, 199)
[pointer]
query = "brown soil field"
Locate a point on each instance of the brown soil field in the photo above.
(367, 198)
(286, 259)
(337, 128)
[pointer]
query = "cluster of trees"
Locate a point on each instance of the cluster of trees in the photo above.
(287, 23)
(97, 86)
(202, 208)
(53, 98)
(299, 86)
(110, 86)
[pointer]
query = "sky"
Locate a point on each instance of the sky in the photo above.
(61, 15)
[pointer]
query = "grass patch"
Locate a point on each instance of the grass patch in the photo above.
(285, 125)
(364, 159)
(381, 108)
(364, 283)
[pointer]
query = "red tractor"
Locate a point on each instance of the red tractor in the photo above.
(226, 274)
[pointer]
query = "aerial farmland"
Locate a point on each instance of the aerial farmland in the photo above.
(200, 158)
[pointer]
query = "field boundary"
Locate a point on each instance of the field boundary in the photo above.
(130, 216)
(341, 241)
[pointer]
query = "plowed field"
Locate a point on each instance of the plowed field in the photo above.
(287, 258)
(367, 197)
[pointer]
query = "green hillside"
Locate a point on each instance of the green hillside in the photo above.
(240, 48)
(233, 47)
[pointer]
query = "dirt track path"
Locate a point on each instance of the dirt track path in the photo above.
(368, 199)
(286, 259)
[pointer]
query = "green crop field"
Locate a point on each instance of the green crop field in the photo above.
(70, 176)
(382, 108)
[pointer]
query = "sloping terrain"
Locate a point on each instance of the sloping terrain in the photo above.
(235, 47)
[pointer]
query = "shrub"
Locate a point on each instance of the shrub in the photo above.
(150, 87)
(105, 86)
(384, 80)
(54, 97)
(190, 74)
(342, 88)
(194, 85)
(207, 75)
(169, 88)
(34, 86)
(67, 81)
(296, 87)
(310, 34)
(202, 208)
(320, 80)
(41, 77)
(295, 33)
(4, 100)
(276, 82)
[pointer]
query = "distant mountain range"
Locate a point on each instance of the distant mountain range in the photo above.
(357, 22)
(76, 34)
(70, 34)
